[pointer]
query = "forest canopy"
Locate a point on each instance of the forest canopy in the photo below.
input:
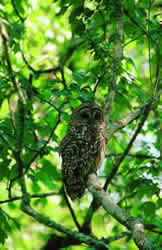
(55, 55)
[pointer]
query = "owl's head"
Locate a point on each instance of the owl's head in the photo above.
(88, 114)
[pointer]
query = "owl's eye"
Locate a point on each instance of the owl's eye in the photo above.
(84, 115)
(97, 116)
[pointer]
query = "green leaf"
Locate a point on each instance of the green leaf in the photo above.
(16, 30)
(47, 174)
(4, 227)
(159, 203)
(148, 208)
(4, 168)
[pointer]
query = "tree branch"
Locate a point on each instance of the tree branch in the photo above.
(133, 224)
(43, 195)
(71, 211)
(39, 71)
(82, 238)
(140, 156)
(95, 205)
(117, 237)
(26, 208)
(16, 11)
(44, 146)
(126, 121)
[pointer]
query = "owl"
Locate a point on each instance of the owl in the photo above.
(82, 149)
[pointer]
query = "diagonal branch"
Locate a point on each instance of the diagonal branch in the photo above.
(125, 121)
(95, 205)
(39, 152)
(71, 210)
(133, 224)
(16, 11)
(26, 208)
(82, 238)
(117, 54)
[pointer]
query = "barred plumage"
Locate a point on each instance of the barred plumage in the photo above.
(82, 149)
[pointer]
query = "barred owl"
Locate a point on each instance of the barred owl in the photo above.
(82, 149)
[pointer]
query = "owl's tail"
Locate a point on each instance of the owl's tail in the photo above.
(75, 188)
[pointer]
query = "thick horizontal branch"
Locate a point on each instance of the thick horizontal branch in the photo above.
(131, 223)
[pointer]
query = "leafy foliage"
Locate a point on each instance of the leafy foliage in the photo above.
(54, 56)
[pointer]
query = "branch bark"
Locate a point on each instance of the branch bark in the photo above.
(26, 208)
(135, 225)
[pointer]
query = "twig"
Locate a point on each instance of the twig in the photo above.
(44, 146)
(117, 237)
(125, 121)
(43, 195)
(63, 77)
(98, 82)
(71, 211)
(130, 41)
(45, 71)
(17, 12)
(140, 156)
(46, 101)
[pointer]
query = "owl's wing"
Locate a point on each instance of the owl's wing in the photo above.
(76, 165)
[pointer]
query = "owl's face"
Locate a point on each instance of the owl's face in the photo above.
(88, 114)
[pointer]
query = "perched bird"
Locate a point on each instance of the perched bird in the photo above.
(83, 147)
